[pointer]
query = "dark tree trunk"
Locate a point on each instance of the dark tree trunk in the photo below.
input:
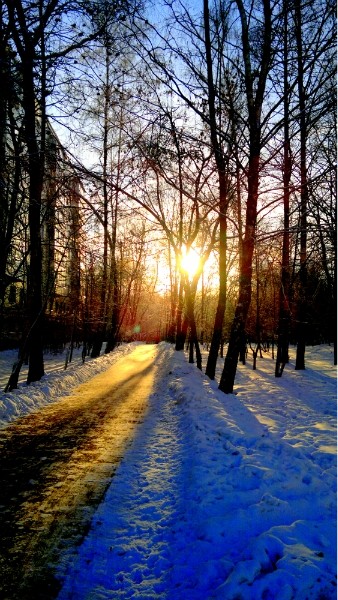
(36, 160)
(198, 355)
(302, 303)
(102, 325)
(113, 335)
(223, 201)
(237, 333)
(254, 103)
(115, 323)
(35, 141)
(284, 293)
(194, 342)
(180, 334)
(221, 305)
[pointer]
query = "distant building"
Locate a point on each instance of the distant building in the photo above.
(60, 230)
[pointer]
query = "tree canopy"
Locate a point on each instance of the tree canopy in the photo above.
(130, 141)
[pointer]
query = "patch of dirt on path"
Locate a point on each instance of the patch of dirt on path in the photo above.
(55, 466)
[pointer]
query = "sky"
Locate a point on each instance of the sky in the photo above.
(219, 496)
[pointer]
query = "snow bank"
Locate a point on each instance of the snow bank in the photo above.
(56, 383)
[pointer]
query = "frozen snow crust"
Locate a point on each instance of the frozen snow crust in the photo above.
(220, 496)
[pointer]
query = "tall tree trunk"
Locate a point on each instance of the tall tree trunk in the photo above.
(102, 325)
(284, 292)
(35, 142)
(254, 103)
(335, 308)
(115, 323)
(223, 202)
(32, 338)
(222, 294)
(302, 303)
(36, 171)
(237, 333)
(4, 191)
(113, 333)
(334, 286)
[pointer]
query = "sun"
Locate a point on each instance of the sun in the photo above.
(190, 261)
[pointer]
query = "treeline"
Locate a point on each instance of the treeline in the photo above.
(210, 129)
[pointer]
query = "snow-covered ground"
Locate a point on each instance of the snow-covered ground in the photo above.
(219, 496)
(57, 382)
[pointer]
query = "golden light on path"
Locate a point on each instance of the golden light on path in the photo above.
(56, 465)
(190, 261)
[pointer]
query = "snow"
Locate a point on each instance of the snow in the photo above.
(219, 496)
(56, 383)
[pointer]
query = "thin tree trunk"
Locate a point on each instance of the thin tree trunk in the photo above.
(180, 335)
(302, 303)
(102, 325)
(222, 295)
(284, 293)
(190, 297)
(173, 301)
(115, 324)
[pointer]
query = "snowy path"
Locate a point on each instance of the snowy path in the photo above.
(129, 539)
(55, 466)
(220, 497)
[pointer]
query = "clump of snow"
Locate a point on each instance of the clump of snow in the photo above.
(220, 496)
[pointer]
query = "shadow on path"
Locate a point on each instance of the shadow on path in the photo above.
(55, 466)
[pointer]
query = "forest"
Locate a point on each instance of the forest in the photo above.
(168, 172)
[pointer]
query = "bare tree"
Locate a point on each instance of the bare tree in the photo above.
(33, 30)
(255, 82)
(284, 294)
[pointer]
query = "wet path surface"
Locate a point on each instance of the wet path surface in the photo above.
(55, 466)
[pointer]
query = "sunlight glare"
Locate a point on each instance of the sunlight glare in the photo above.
(190, 261)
